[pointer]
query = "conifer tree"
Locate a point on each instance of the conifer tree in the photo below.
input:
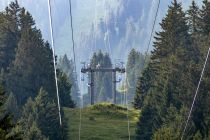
(41, 116)
(33, 65)
(144, 83)
(194, 19)
(67, 66)
(28, 122)
(2, 77)
(12, 106)
(34, 133)
(64, 86)
(9, 34)
(194, 23)
(6, 123)
(205, 17)
(134, 68)
(47, 116)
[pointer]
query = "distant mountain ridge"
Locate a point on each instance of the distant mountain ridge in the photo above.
(86, 13)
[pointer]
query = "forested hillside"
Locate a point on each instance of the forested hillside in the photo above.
(27, 93)
(166, 89)
(42, 98)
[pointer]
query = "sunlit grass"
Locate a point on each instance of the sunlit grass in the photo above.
(101, 122)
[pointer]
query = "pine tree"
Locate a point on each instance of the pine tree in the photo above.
(195, 26)
(9, 34)
(134, 68)
(41, 116)
(67, 66)
(26, 20)
(144, 83)
(12, 106)
(6, 123)
(2, 77)
(35, 133)
(64, 86)
(33, 65)
(47, 116)
(205, 17)
(28, 122)
(170, 129)
(194, 19)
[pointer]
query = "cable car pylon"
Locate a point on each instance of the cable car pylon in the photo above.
(91, 74)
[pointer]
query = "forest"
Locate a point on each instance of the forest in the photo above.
(154, 97)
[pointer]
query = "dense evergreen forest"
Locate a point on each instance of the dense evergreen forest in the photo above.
(167, 86)
(27, 95)
(160, 86)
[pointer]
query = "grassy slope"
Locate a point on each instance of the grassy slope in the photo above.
(101, 122)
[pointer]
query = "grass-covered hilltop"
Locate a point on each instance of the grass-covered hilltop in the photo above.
(101, 122)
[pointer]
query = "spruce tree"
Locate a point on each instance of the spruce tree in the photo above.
(6, 123)
(64, 86)
(134, 67)
(12, 106)
(41, 116)
(67, 66)
(205, 17)
(196, 37)
(34, 133)
(33, 64)
(9, 34)
(194, 19)
(28, 122)
(144, 83)
(47, 116)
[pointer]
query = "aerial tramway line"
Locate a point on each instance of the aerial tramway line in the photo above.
(87, 69)
(121, 70)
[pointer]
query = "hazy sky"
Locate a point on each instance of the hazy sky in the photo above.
(83, 15)
(39, 10)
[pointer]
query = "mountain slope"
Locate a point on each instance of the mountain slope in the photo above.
(84, 14)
